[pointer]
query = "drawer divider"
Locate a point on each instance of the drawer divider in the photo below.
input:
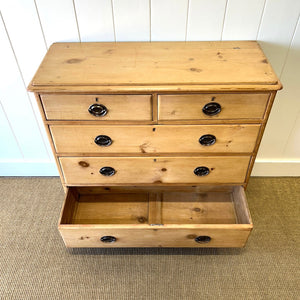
(155, 210)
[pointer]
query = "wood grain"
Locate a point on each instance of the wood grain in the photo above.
(154, 170)
(179, 88)
(112, 209)
(175, 230)
(233, 106)
(161, 63)
(155, 209)
(194, 208)
(75, 107)
(155, 93)
(154, 139)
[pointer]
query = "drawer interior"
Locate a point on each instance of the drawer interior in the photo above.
(99, 205)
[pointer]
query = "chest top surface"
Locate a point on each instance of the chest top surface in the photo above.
(159, 66)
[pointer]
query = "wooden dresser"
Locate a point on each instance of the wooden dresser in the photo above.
(155, 142)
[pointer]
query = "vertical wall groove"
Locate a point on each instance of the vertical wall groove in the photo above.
(150, 21)
(38, 15)
(113, 18)
(261, 18)
(12, 131)
(225, 11)
(293, 127)
(187, 19)
(74, 6)
(289, 48)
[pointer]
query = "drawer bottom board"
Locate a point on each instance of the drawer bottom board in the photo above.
(160, 219)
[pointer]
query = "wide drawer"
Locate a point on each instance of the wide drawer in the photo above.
(154, 170)
(212, 106)
(92, 218)
(154, 139)
(97, 107)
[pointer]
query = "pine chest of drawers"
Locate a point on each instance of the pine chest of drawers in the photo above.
(155, 142)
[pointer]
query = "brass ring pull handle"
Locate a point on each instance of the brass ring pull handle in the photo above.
(107, 171)
(98, 110)
(211, 109)
(207, 140)
(103, 140)
(108, 239)
(201, 171)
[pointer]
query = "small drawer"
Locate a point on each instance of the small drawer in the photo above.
(212, 106)
(97, 107)
(92, 218)
(154, 139)
(154, 170)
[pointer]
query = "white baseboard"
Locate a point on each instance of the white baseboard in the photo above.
(276, 168)
(48, 168)
(28, 168)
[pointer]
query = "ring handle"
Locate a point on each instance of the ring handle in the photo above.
(98, 110)
(103, 140)
(207, 140)
(108, 239)
(201, 171)
(203, 239)
(107, 171)
(211, 108)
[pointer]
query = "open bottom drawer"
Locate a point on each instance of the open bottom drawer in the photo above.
(128, 217)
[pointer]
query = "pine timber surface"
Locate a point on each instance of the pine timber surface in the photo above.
(154, 139)
(182, 216)
(164, 65)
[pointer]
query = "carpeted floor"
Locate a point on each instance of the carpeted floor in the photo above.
(34, 263)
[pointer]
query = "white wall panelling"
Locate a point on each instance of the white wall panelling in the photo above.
(95, 20)
(292, 149)
(58, 19)
(242, 19)
(277, 29)
(15, 102)
(276, 167)
(169, 20)
(291, 78)
(9, 146)
(132, 20)
(205, 20)
(29, 49)
(29, 27)
(276, 34)
(27, 37)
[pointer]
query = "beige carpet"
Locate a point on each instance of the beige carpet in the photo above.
(36, 265)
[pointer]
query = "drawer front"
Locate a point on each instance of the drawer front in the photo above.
(215, 106)
(106, 107)
(154, 170)
(93, 218)
(154, 139)
(232, 236)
